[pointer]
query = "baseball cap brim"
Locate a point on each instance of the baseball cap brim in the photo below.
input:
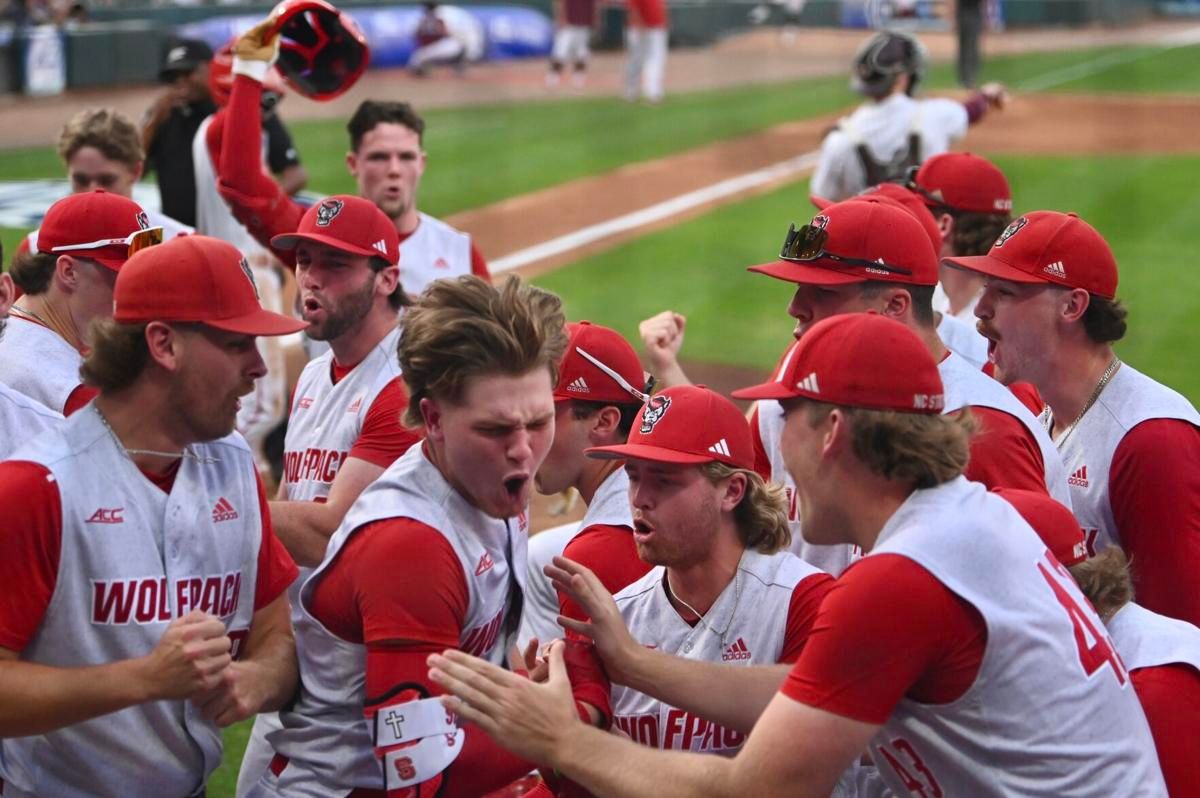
(261, 322)
(767, 390)
(992, 267)
(806, 273)
(292, 240)
(641, 451)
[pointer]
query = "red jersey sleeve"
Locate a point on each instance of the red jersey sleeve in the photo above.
(1170, 696)
(909, 634)
(30, 544)
(1154, 491)
(610, 552)
(80, 396)
(276, 569)
(802, 613)
(762, 463)
(384, 437)
(1004, 453)
(479, 266)
(255, 198)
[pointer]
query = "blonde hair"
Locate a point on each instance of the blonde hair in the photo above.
(109, 131)
(761, 515)
(1105, 581)
(921, 450)
(466, 327)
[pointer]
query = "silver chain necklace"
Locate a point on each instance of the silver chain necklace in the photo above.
(151, 452)
(31, 314)
(737, 597)
(1104, 378)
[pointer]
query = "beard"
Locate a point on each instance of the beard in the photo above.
(346, 315)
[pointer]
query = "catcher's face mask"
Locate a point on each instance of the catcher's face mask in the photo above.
(322, 53)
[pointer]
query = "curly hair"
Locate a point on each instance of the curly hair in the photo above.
(109, 131)
(466, 327)
(1105, 580)
(974, 233)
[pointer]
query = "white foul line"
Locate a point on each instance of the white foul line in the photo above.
(655, 213)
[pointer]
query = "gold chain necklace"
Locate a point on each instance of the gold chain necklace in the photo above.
(1104, 378)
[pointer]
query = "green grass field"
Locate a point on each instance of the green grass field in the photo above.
(1145, 206)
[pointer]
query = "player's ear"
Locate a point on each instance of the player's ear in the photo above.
(605, 425)
(837, 432)
(431, 414)
(735, 491)
(1074, 304)
(8, 293)
(352, 163)
(162, 341)
(897, 303)
(66, 271)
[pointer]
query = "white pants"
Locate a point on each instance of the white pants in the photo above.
(259, 752)
(571, 45)
(442, 51)
(646, 62)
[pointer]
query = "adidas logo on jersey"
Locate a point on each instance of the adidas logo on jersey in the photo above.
(485, 564)
(580, 385)
(736, 651)
(441, 263)
(720, 447)
(809, 383)
(355, 406)
(1079, 478)
(381, 245)
(223, 511)
(107, 515)
(1056, 270)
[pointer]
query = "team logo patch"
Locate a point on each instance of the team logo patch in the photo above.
(328, 210)
(249, 276)
(143, 221)
(1011, 231)
(656, 408)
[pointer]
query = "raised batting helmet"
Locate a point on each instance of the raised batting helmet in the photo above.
(882, 59)
(220, 79)
(321, 50)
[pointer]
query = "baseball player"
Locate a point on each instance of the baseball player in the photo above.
(21, 418)
(1161, 653)
(448, 522)
(1129, 444)
(871, 256)
(344, 428)
(917, 654)
(144, 602)
(83, 242)
(724, 589)
(385, 158)
(575, 20)
(599, 391)
(892, 131)
(646, 35)
(435, 43)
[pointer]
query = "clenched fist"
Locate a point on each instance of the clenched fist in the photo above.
(189, 658)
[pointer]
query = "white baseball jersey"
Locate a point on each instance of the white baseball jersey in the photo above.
(325, 737)
(1146, 639)
(22, 419)
(133, 559)
(609, 507)
(1044, 717)
(38, 362)
(1087, 451)
(963, 339)
(941, 303)
(884, 127)
(964, 385)
(747, 625)
(433, 251)
(967, 386)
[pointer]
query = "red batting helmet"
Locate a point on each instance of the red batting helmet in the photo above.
(321, 50)
(220, 79)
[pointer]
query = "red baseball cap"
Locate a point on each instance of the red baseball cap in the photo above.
(1049, 247)
(853, 238)
(857, 360)
(688, 424)
(963, 181)
(351, 224)
(599, 366)
(195, 279)
(1054, 523)
(896, 194)
(96, 225)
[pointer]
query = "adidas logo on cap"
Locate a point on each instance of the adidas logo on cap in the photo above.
(381, 245)
(579, 384)
(809, 383)
(1056, 270)
(720, 447)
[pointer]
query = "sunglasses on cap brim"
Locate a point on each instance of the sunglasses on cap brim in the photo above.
(134, 242)
(807, 244)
